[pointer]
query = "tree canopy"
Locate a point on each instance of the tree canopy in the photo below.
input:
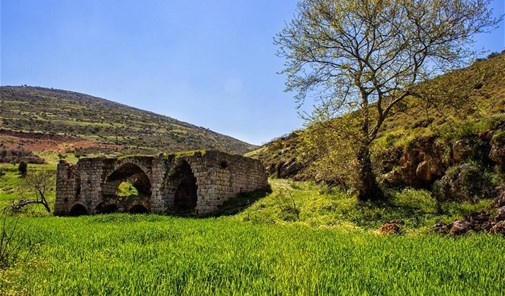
(369, 55)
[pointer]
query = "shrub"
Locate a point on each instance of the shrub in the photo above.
(286, 203)
(465, 182)
(23, 168)
(126, 189)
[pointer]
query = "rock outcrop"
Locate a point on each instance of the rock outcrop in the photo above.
(490, 221)
(426, 160)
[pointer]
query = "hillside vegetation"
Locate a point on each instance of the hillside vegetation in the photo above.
(41, 119)
(463, 108)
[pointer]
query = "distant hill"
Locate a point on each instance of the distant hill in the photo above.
(474, 102)
(43, 119)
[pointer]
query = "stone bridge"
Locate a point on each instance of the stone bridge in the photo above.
(195, 183)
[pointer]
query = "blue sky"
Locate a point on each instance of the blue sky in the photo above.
(210, 63)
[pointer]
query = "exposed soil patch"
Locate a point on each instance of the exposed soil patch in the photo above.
(46, 142)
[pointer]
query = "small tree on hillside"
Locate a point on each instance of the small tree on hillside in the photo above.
(35, 188)
(23, 168)
(369, 55)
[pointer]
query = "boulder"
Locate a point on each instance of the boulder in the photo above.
(429, 169)
(421, 163)
(461, 149)
(271, 169)
(497, 152)
(288, 169)
(465, 182)
(460, 227)
(423, 171)
(479, 221)
(390, 228)
(393, 178)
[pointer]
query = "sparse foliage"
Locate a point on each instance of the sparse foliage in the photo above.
(369, 55)
(287, 204)
(37, 185)
(331, 151)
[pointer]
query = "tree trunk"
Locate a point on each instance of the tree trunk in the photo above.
(46, 205)
(367, 186)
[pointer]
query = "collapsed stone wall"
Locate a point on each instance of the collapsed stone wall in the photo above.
(197, 183)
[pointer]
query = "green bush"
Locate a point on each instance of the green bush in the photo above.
(465, 182)
(289, 211)
(23, 168)
(126, 189)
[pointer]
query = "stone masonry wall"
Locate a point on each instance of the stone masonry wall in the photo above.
(219, 177)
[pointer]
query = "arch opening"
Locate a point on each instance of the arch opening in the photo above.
(78, 210)
(130, 174)
(185, 188)
(127, 185)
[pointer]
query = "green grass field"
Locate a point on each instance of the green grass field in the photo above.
(302, 239)
(124, 254)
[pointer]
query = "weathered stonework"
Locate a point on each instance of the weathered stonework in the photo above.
(196, 183)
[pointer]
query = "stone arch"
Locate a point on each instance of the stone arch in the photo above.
(182, 186)
(129, 161)
(128, 172)
(78, 209)
(136, 176)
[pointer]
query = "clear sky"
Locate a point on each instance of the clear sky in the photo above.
(211, 63)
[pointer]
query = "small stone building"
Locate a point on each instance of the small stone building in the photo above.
(194, 183)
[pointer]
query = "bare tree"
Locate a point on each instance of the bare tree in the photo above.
(35, 188)
(369, 55)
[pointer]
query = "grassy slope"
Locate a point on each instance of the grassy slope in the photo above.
(314, 205)
(483, 84)
(111, 126)
(9, 183)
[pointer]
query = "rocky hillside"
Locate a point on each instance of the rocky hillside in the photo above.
(42, 119)
(422, 142)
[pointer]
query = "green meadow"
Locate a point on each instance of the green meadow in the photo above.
(123, 254)
(301, 239)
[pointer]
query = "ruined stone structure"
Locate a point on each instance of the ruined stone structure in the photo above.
(195, 183)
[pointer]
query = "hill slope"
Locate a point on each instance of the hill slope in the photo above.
(41, 119)
(473, 102)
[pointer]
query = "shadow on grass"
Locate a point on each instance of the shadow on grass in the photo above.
(230, 207)
(240, 203)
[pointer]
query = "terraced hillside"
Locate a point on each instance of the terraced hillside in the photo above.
(42, 119)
